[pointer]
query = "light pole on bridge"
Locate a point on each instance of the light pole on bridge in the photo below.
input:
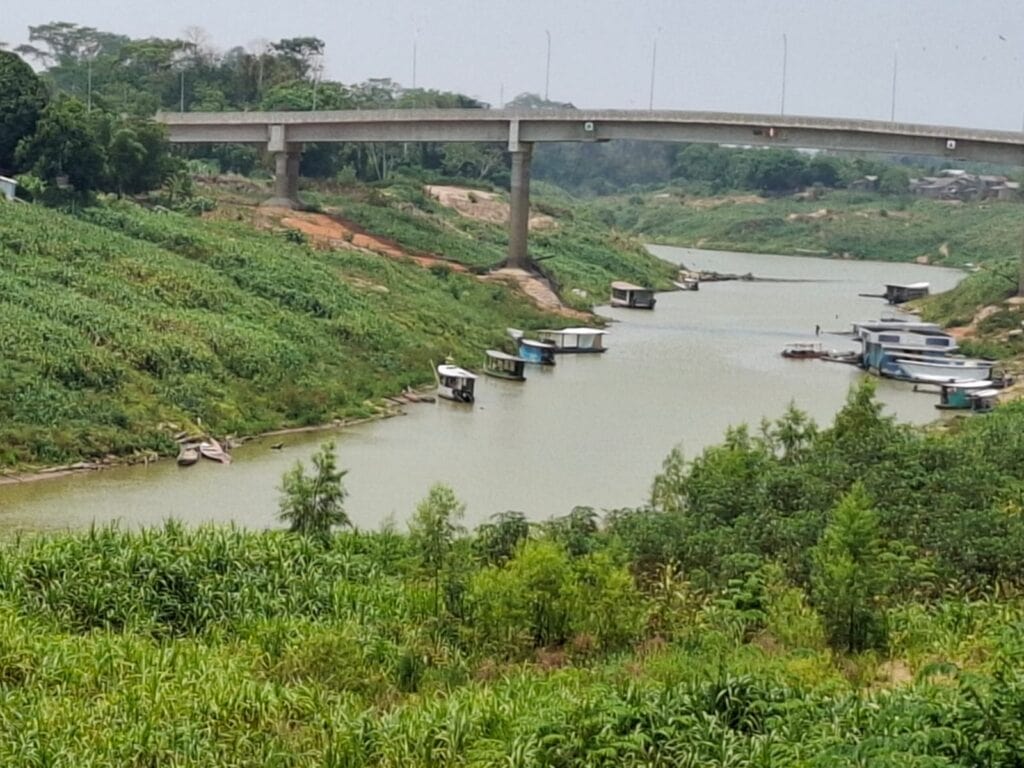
(785, 56)
(547, 67)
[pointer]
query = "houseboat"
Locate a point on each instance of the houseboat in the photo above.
(632, 296)
(533, 351)
(454, 383)
(504, 366)
(959, 395)
(898, 294)
(803, 350)
(577, 340)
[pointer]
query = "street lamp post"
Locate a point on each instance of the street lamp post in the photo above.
(785, 56)
(895, 63)
(547, 67)
(654, 62)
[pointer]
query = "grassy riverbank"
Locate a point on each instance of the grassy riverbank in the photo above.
(837, 223)
(710, 629)
(120, 326)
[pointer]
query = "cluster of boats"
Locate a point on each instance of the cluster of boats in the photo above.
(459, 384)
(917, 352)
(190, 452)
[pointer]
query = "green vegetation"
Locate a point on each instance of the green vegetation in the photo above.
(710, 628)
(313, 505)
(861, 225)
(121, 326)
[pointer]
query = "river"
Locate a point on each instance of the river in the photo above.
(592, 431)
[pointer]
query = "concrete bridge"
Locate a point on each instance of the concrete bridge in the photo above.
(284, 133)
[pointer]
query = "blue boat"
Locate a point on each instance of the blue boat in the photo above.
(538, 352)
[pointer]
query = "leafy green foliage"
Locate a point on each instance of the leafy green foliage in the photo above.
(313, 505)
(22, 98)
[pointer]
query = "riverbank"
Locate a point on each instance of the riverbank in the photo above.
(121, 327)
(833, 223)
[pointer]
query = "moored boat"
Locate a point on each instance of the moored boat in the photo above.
(504, 366)
(632, 296)
(211, 449)
(953, 369)
(803, 350)
(960, 395)
(534, 351)
(454, 383)
(188, 455)
(576, 340)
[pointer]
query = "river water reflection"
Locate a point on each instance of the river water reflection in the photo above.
(592, 431)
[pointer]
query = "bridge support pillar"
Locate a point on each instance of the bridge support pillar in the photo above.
(286, 180)
(519, 207)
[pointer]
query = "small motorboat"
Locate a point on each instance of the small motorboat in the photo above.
(533, 351)
(212, 450)
(188, 455)
(801, 350)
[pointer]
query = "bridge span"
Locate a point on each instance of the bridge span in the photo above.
(284, 133)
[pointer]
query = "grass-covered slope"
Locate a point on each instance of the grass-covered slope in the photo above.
(119, 322)
(862, 225)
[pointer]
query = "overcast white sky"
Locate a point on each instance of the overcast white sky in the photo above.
(961, 62)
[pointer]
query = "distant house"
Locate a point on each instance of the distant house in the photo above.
(956, 184)
(8, 187)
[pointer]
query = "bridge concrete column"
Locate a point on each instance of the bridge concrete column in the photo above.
(286, 180)
(519, 207)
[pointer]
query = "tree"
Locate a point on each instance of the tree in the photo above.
(64, 145)
(434, 528)
(314, 504)
(848, 578)
(22, 98)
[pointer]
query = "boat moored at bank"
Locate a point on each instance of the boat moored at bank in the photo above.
(632, 296)
(455, 383)
(535, 351)
(501, 365)
(575, 340)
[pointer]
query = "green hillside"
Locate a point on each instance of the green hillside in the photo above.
(119, 326)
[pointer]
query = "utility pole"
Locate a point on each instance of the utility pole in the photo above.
(785, 56)
(182, 104)
(547, 67)
(414, 41)
(895, 64)
(89, 88)
(654, 61)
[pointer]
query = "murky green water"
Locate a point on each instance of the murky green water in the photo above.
(594, 430)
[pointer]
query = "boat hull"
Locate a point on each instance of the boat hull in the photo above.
(968, 370)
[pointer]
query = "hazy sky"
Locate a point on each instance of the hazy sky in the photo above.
(960, 62)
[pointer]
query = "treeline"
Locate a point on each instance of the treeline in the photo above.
(65, 148)
(601, 169)
(120, 75)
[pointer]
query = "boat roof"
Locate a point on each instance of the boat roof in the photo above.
(621, 285)
(968, 384)
(496, 355)
(579, 331)
(985, 393)
(537, 343)
(804, 344)
(907, 285)
(455, 371)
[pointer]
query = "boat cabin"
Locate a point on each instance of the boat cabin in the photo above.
(898, 294)
(632, 296)
(958, 395)
(539, 352)
(454, 383)
(578, 340)
(504, 366)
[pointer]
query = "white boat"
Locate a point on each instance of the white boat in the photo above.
(575, 339)
(952, 369)
(632, 296)
(454, 383)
